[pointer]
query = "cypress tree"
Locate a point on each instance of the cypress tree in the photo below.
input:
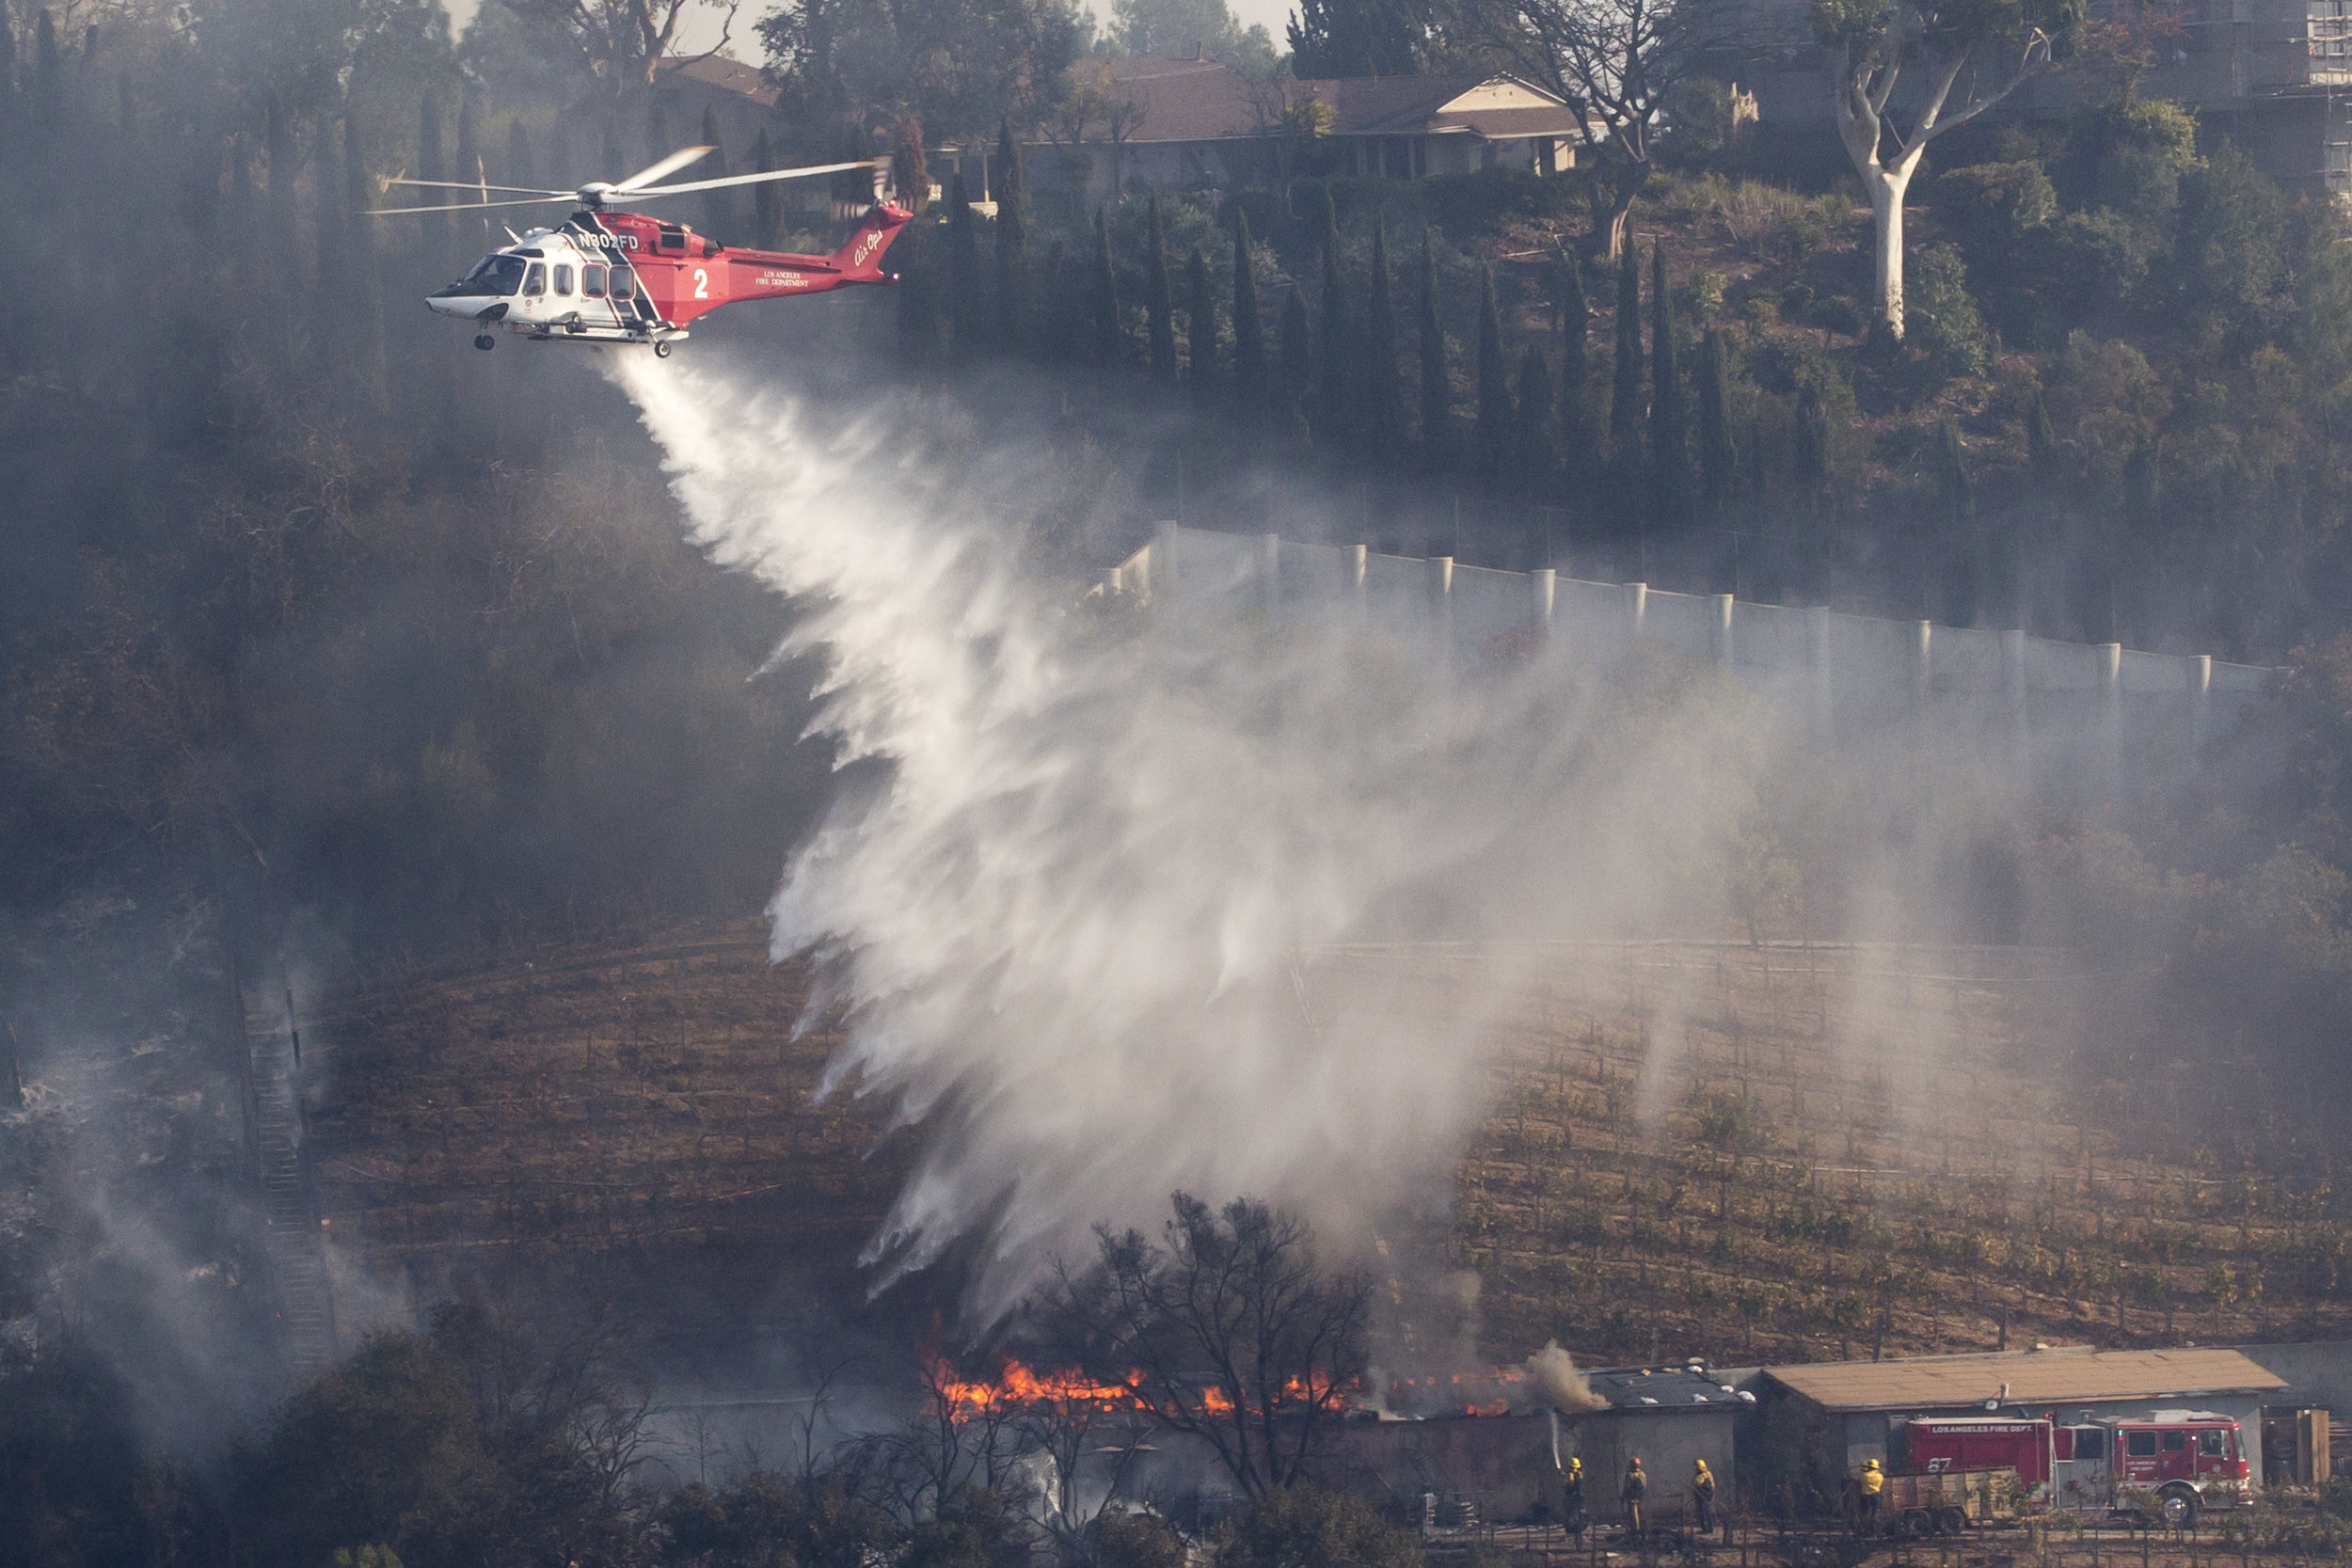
(1624, 478)
(2041, 449)
(1055, 321)
(1495, 412)
(48, 80)
(1200, 331)
(1809, 465)
(717, 206)
(432, 227)
(1110, 347)
(1669, 424)
(1334, 420)
(1537, 454)
(366, 287)
(1719, 460)
(1576, 371)
(1437, 386)
(1957, 493)
(1012, 240)
(519, 169)
(1384, 399)
(468, 167)
(767, 201)
(967, 304)
(1249, 379)
(1159, 307)
(1297, 370)
(558, 171)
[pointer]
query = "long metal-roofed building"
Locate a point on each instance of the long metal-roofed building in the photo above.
(1838, 1413)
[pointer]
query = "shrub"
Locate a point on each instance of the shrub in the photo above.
(1770, 224)
(1942, 316)
(1309, 1528)
(1986, 206)
(1122, 1540)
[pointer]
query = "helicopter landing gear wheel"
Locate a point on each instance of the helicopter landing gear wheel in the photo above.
(485, 343)
(661, 350)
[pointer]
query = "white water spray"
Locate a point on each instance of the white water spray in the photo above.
(1075, 919)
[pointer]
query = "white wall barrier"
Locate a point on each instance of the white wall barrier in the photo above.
(1848, 671)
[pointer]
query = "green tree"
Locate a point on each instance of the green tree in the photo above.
(1495, 413)
(766, 203)
(433, 228)
(1718, 461)
(1436, 382)
(1012, 241)
(1200, 331)
(1536, 449)
(1624, 480)
(1669, 424)
(717, 206)
(1296, 375)
(1358, 38)
(1249, 377)
(1159, 307)
(1110, 334)
(1383, 397)
(1957, 542)
(967, 297)
(1578, 439)
(1334, 417)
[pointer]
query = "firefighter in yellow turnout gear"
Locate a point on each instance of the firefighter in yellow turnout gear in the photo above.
(1866, 1489)
(1703, 1497)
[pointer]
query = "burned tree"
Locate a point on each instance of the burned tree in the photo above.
(1229, 1329)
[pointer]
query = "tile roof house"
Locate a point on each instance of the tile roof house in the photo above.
(1157, 120)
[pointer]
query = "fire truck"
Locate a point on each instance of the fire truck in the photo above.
(2184, 1461)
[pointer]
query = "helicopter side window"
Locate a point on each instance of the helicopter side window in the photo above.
(592, 280)
(562, 277)
(537, 282)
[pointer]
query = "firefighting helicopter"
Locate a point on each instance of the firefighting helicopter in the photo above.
(607, 276)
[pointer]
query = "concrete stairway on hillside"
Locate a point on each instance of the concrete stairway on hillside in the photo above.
(305, 1302)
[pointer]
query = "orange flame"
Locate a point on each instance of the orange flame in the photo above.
(1021, 1387)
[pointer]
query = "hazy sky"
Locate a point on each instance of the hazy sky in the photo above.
(700, 29)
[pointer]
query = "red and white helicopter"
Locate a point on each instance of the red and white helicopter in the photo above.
(606, 276)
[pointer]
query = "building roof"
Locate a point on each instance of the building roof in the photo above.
(1181, 99)
(2037, 1377)
(719, 73)
(1661, 1389)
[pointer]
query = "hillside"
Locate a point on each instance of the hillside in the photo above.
(1750, 1151)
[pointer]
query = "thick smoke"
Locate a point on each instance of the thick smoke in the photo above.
(1071, 902)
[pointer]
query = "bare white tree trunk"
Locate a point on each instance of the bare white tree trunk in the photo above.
(1886, 187)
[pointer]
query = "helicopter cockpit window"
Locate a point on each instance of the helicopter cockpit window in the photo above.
(493, 275)
(536, 283)
(592, 280)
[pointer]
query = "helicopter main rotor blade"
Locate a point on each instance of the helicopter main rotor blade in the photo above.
(652, 172)
(751, 178)
(461, 206)
(477, 185)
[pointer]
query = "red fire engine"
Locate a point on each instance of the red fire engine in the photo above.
(2187, 1460)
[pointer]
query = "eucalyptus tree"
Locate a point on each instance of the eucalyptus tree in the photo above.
(1971, 54)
